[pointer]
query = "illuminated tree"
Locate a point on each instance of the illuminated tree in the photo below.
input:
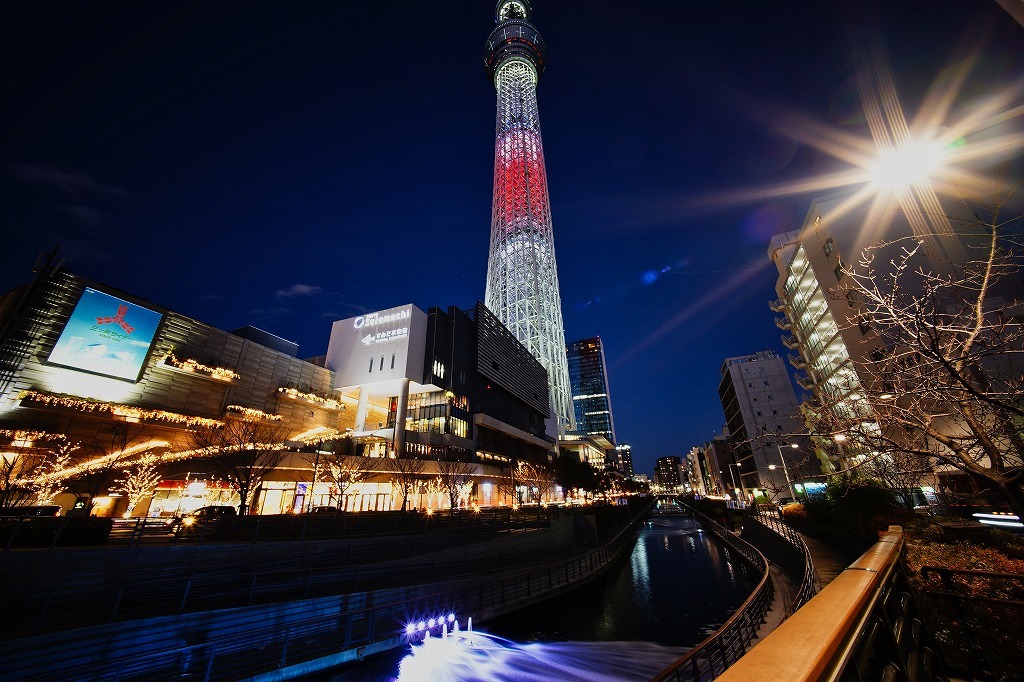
(27, 459)
(139, 480)
(405, 472)
(454, 477)
(241, 453)
(51, 480)
(945, 384)
(538, 480)
(338, 466)
(99, 462)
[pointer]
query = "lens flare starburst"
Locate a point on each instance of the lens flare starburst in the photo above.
(948, 148)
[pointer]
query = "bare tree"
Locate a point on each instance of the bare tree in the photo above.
(454, 476)
(538, 480)
(338, 466)
(404, 474)
(242, 453)
(138, 481)
(945, 383)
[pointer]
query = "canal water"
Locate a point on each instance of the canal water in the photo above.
(678, 585)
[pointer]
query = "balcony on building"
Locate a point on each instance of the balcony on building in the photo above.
(790, 342)
(783, 323)
(805, 382)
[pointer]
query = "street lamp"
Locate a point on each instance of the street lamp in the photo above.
(785, 469)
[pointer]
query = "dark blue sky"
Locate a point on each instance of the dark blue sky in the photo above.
(287, 164)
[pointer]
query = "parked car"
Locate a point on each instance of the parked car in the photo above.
(202, 519)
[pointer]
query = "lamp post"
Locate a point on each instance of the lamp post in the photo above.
(785, 469)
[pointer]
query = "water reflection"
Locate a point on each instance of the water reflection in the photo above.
(677, 587)
(677, 583)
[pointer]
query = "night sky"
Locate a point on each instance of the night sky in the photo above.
(288, 164)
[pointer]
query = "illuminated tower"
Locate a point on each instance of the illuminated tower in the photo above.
(522, 280)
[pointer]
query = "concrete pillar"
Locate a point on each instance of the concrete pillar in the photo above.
(361, 409)
(403, 401)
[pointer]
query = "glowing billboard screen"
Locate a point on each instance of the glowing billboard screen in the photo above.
(106, 335)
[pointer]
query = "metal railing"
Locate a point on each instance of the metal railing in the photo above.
(248, 651)
(863, 626)
(809, 584)
(717, 652)
(190, 578)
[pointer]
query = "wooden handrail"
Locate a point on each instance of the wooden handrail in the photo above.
(817, 641)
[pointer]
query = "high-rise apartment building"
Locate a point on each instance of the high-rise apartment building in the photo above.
(828, 329)
(667, 472)
(588, 379)
(761, 413)
(522, 278)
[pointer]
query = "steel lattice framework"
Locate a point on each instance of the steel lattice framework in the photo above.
(522, 279)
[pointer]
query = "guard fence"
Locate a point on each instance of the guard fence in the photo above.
(246, 651)
(717, 652)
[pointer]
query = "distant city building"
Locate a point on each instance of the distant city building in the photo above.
(667, 472)
(588, 378)
(522, 277)
(712, 468)
(624, 459)
(761, 412)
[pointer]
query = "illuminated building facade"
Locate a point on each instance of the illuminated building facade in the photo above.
(453, 385)
(81, 362)
(522, 278)
(588, 379)
(761, 411)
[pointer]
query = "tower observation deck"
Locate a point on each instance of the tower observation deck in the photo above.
(522, 279)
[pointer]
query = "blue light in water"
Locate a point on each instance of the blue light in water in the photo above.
(650, 277)
(481, 656)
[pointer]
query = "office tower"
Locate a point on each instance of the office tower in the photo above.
(588, 380)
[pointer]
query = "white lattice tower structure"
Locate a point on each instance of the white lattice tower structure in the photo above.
(522, 279)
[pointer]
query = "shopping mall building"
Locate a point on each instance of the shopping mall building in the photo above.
(124, 378)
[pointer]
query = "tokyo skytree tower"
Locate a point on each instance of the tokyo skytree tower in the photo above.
(522, 281)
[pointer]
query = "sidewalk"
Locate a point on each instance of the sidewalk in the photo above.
(828, 562)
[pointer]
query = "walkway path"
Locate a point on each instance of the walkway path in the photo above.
(828, 562)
